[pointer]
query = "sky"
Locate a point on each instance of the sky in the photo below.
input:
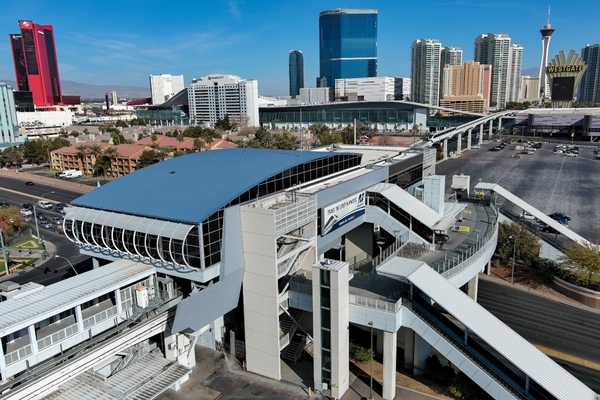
(123, 42)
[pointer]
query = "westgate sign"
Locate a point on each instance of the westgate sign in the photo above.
(564, 68)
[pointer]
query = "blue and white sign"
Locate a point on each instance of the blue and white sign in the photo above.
(340, 213)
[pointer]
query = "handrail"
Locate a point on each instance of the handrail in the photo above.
(380, 305)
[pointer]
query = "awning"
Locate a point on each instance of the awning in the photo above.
(156, 227)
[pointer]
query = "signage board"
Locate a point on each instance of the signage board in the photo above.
(463, 229)
(342, 212)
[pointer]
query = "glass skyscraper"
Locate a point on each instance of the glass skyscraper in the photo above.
(296, 72)
(347, 44)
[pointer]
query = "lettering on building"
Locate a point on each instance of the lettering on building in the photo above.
(564, 68)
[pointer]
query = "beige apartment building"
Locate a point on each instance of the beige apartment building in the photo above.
(467, 86)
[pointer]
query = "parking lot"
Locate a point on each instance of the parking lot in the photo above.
(550, 182)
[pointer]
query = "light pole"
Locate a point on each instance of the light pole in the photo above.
(37, 228)
(56, 256)
(371, 374)
(512, 274)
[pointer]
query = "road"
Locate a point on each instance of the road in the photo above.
(549, 182)
(568, 329)
(16, 193)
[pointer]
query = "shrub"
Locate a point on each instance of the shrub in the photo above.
(363, 355)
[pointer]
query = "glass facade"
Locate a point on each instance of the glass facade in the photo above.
(296, 72)
(335, 115)
(348, 44)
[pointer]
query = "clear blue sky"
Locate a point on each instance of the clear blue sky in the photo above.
(123, 42)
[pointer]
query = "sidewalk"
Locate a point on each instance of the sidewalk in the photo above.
(50, 251)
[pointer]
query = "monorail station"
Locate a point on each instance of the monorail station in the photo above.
(273, 255)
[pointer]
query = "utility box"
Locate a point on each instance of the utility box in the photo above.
(141, 296)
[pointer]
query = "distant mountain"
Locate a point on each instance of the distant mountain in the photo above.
(87, 91)
(530, 72)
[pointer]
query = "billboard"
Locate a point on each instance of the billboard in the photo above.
(563, 88)
(342, 212)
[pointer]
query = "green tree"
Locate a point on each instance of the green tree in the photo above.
(10, 219)
(515, 237)
(117, 137)
(223, 123)
(585, 258)
(148, 157)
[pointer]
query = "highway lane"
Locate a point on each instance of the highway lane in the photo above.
(15, 192)
(562, 327)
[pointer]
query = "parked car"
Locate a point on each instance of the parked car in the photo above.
(570, 154)
(476, 146)
(44, 204)
(4, 204)
(56, 220)
(493, 149)
(41, 216)
(25, 211)
(27, 218)
(28, 206)
(29, 183)
(516, 155)
(526, 215)
(560, 215)
(561, 221)
(46, 224)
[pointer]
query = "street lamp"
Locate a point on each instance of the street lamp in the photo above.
(371, 374)
(512, 274)
(37, 228)
(56, 256)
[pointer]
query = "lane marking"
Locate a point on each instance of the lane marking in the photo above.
(568, 357)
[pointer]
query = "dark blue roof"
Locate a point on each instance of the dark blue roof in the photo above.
(192, 187)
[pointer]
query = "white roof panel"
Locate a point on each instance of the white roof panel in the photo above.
(499, 336)
(532, 210)
(18, 313)
(406, 201)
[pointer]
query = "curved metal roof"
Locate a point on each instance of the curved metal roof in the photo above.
(191, 188)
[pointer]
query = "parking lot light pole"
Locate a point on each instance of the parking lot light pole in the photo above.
(371, 374)
(512, 274)
(37, 227)
(56, 256)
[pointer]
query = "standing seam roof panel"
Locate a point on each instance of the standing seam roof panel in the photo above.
(191, 188)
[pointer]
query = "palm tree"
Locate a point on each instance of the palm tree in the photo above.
(81, 151)
(111, 153)
(94, 150)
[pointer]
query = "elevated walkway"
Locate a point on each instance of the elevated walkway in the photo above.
(532, 210)
(537, 371)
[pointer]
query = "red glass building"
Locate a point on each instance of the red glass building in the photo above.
(36, 65)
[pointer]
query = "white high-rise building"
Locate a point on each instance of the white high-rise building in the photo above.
(425, 71)
(516, 59)
(496, 49)
(380, 88)
(113, 98)
(212, 97)
(165, 86)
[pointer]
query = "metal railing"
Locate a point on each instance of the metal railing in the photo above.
(390, 251)
(301, 287)
(57, 336)
(101, 316)
(380, 305)
(16, 355)
(463, 261)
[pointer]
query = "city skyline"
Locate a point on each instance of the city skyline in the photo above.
(124, 46)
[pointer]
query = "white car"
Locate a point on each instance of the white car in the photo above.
(25, 211)
(526, 215)
(557, 151)
(476, 146)
(570, 154)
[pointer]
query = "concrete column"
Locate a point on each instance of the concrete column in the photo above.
(491, 129)
(459, 144)
(95, 263)
(480, 134)
(79, 318)
(469, 138)
(390, 347)
(118, 300)
(416, 352)
(33, 339)
(445, 149)
(499, 123)
(473, 287)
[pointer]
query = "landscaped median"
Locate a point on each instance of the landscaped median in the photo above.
(20, 255)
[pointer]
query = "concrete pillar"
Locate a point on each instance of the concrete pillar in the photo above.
(445, 149)
(491, 129)
(473, 287)
(459, 144)
(33, 339)
(390, 347)
(469, 132)
(416, 352)
(480, 134)
(95, 263)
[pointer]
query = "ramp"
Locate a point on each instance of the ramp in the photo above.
(502, 339)
(532, 210)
